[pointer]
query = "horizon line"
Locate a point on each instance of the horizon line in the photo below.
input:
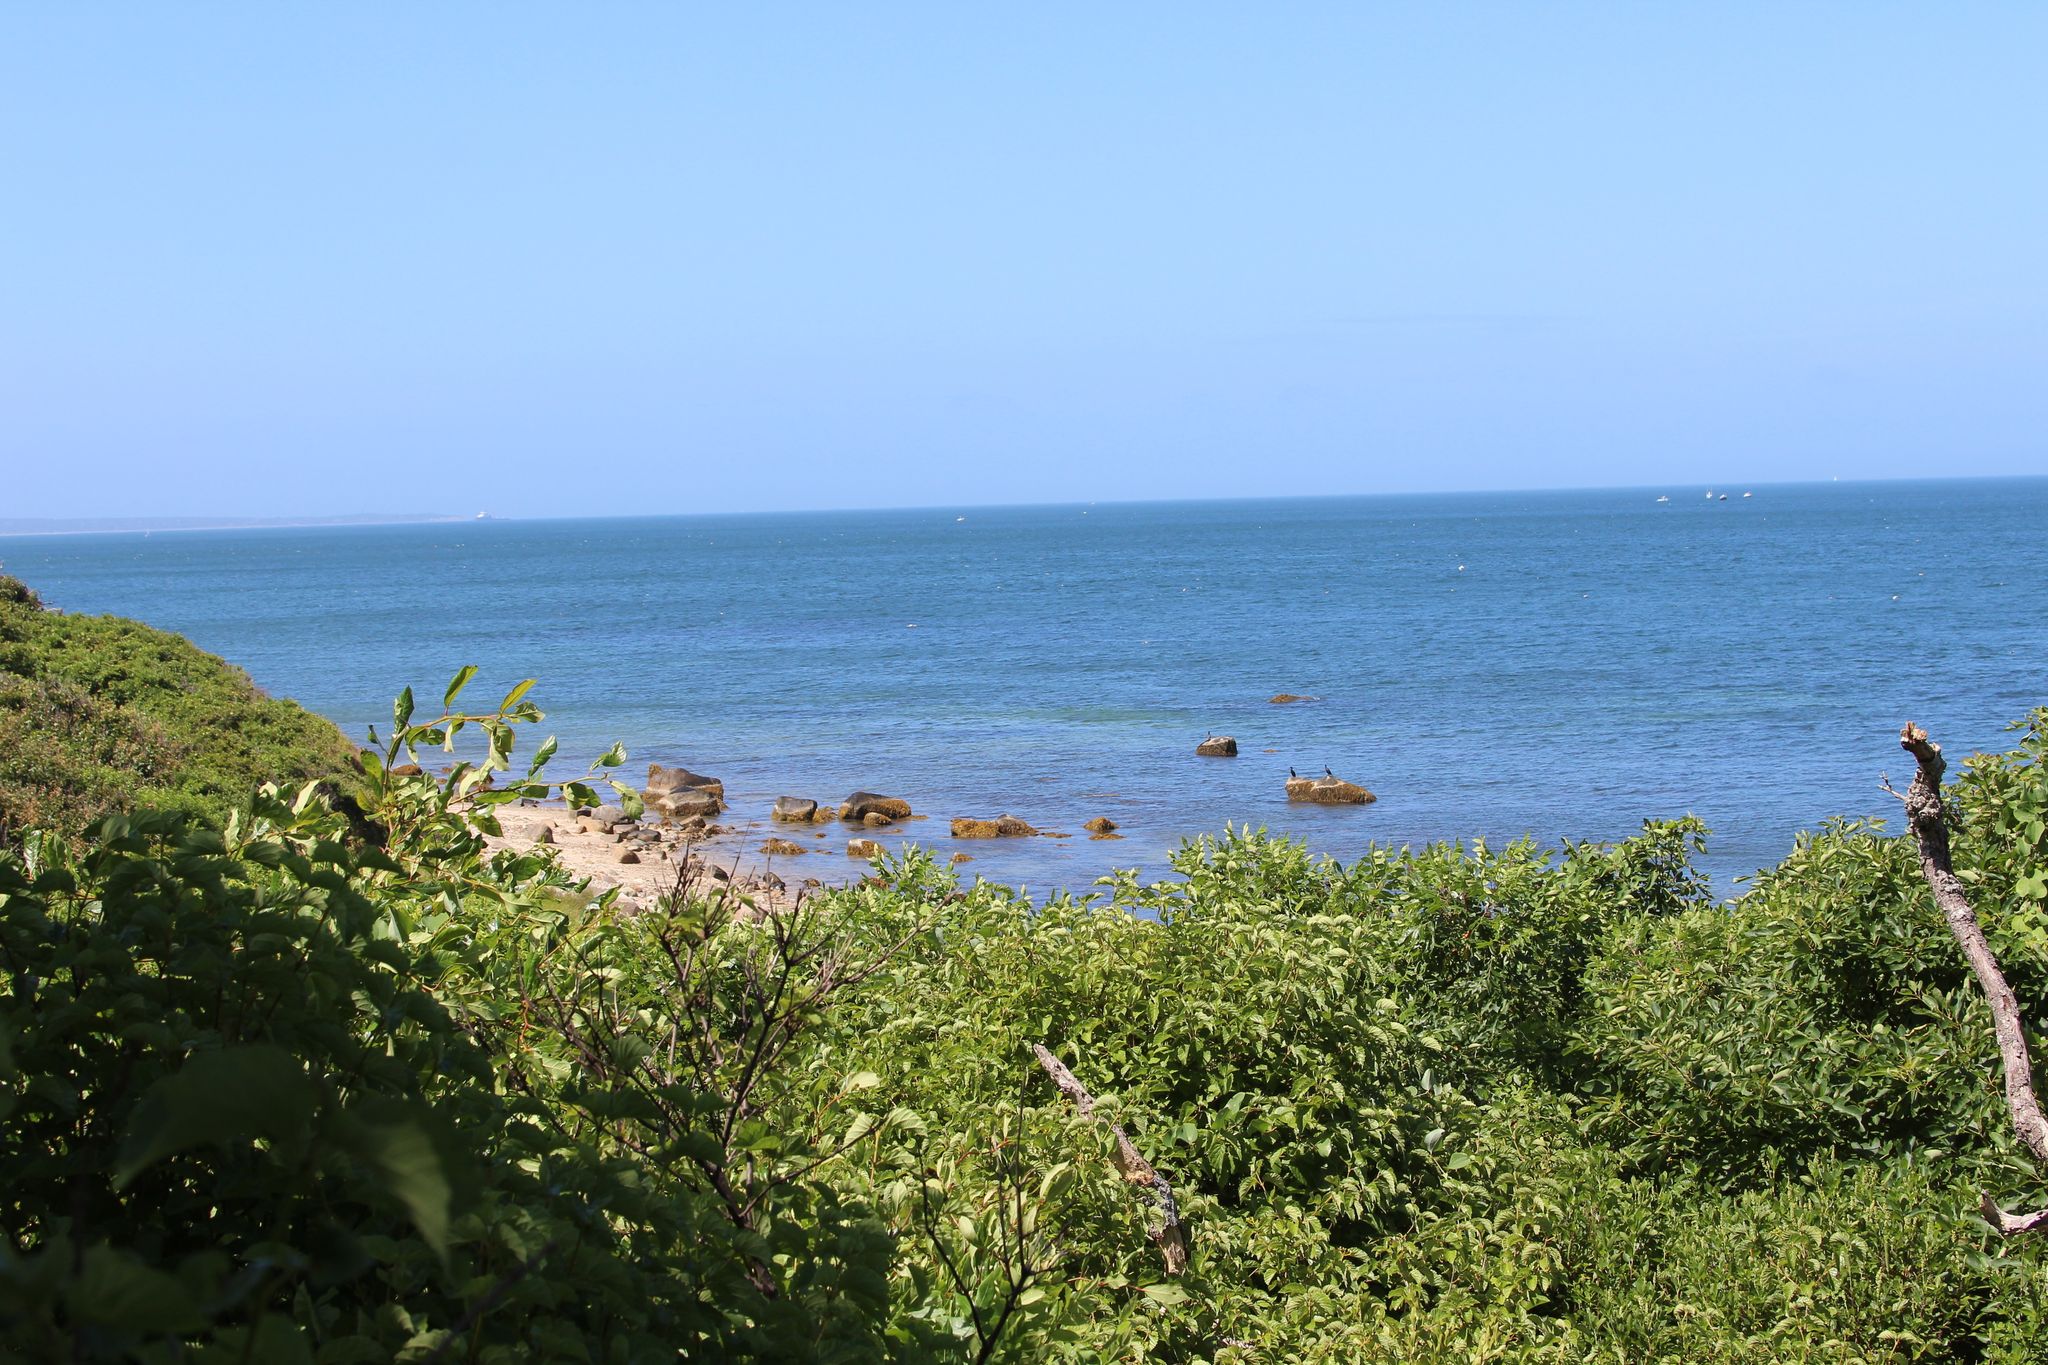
(64, 526)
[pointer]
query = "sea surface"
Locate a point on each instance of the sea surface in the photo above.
(1552, 664)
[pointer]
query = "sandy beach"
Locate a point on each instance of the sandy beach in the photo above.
(660, 852)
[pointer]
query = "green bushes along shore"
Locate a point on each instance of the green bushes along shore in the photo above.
(272, 1090)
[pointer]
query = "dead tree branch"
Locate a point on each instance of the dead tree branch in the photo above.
(1925, 816)
(1166, 1228)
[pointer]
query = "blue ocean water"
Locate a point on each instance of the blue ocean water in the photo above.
(1563, 663)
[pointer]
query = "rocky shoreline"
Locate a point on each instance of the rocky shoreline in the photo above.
(678, 841)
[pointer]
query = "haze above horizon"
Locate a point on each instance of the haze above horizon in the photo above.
(263, 261)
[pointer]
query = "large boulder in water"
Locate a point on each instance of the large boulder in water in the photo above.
(1217, 746)
(1328, 791)
(793, 810)
(1002, 827)
(660, 779)
(860, 805)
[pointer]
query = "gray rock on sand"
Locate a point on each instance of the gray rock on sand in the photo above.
(793, 810)
(660, 779)
(1217, 746)
(683, 803)
(546, 835)
(629, 856)
(860, 805)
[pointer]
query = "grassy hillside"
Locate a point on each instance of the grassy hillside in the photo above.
(99, 714)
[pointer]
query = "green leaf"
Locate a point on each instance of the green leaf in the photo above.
(629, 800)
(512, 697)
(236, 1093)
(400, 1150)
(541, 755)
(612, 757)
(401, 709)
(461, 681)
(116, 1288)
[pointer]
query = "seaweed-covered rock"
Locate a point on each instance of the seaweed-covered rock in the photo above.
(1002, 827)
(1328, 791)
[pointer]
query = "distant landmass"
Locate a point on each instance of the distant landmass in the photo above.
(61, 526)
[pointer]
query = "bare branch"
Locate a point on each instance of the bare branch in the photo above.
(1926, 817)
(1167, 1229)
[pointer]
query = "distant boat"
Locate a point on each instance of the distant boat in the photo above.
(1724, 497)
(1665, 498)
(959, 518)
(1710, 495)
(483, 516)
(1749, 495)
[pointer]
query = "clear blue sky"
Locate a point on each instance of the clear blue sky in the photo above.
(282, 259)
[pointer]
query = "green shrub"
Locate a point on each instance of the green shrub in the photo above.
(100, 714)
(270, 1090)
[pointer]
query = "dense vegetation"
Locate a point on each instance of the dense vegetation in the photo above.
(98, 714)
(269, 1091)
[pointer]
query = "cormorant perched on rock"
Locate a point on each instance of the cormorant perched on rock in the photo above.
(1292, 773)
(1327, 772)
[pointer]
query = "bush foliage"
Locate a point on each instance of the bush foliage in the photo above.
(100, 714)
(270, 1090)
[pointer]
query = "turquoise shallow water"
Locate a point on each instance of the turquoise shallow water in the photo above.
(1490, 664)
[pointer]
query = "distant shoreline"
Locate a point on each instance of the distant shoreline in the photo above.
(111, 526)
